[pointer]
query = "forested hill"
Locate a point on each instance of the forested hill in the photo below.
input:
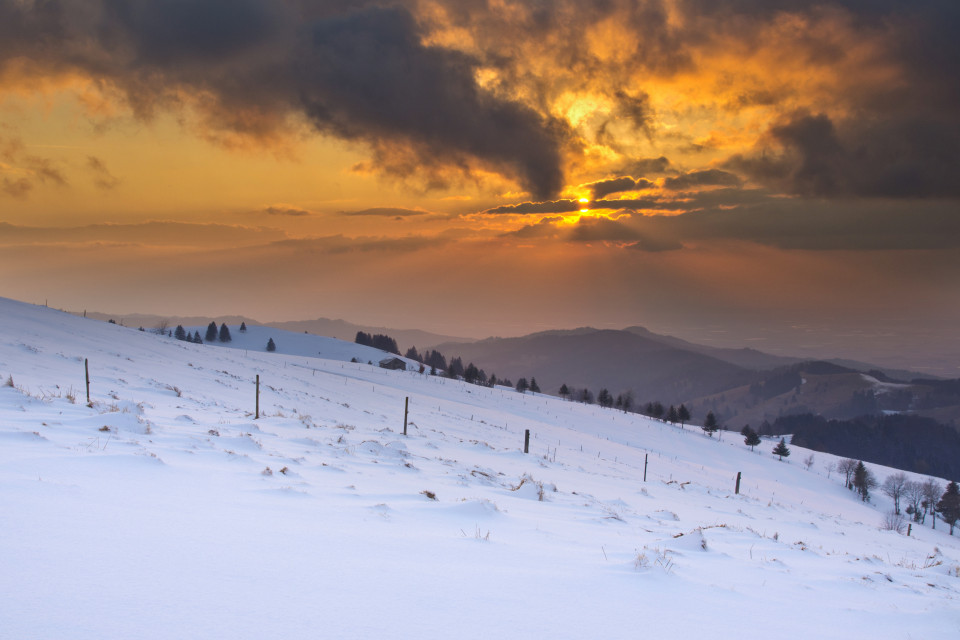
(910, 442)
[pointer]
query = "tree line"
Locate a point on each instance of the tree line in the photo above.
(904, 441)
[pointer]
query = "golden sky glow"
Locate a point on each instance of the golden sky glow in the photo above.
(680, 164)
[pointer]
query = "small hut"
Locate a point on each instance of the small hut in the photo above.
(393, 363)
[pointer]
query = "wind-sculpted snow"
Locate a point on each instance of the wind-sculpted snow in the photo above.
(167, 509)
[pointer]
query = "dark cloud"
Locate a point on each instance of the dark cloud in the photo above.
(26, 169)
(545, 228)
(603, 229)
(625, 232)
(554, 206)
(16, 187)
(763, 218)
(358, 71)
(395, 212)
(704, 178)
(286, 210)
(102, 178)
(616, 185)
(906, 158)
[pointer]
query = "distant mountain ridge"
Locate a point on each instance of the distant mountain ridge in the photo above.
(339, 329)
(741, 386)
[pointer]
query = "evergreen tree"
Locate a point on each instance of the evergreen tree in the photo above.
(243, 327)
(364, 338)
(683, 414)
(492, 382)
(673, 416)
(949, 506)
(534, 387)
(627, 401)
(413, 355)
(586, 396)
(710, 425)
(271, 345)
(655, 410)
(225, 333)
(604, 399)
(471, 373)
(180, 333)
(564, 391)
(522, 385)
(781, 449)
(863, 481)
(456, 367)
(752, 438)
(211, 332)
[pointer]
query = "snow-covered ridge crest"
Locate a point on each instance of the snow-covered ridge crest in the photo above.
(166, 509)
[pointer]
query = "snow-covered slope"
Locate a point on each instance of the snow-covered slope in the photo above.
(256, 337)
(165, 510)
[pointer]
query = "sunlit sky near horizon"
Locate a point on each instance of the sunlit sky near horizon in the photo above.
(778, 174)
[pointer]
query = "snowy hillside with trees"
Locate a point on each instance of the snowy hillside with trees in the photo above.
(166, 508)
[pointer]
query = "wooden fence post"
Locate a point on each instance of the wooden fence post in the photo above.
(257, 414)
(526, 441)
(645, 457)
(86, 370)
(406, 409)
(737, 490)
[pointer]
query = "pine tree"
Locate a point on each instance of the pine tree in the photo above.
(752, 438)
(683, 414)
(271, 345)
(196, 338)
(673, 416)
(225, 333)
(863, 481)
(564, 391)
(534, 387)
(604, 399)
(180, 333)
(949, 506)
(413, 354)
(522, 385)
(781, 449)
(243, 327)
(211, 332)
(710, 425)
(471, 373)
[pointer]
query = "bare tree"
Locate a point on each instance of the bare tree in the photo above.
(808, 462)
(846, 467)
(932, 490)
(830, 467)
(893, 486)
(913, 496)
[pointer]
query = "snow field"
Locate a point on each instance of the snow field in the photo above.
(166, 510)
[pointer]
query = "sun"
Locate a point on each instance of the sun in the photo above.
(583, 203)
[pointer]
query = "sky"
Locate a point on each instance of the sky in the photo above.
(777, 174)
